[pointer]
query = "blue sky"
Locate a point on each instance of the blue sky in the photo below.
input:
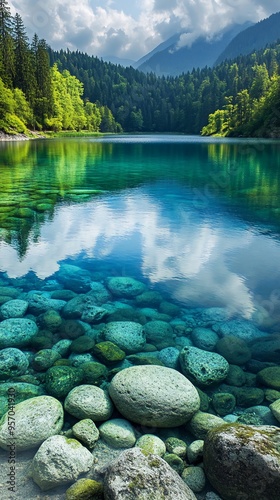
(131, 28)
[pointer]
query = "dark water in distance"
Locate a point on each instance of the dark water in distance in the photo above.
(196, 217)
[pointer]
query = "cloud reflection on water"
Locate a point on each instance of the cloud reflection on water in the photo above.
(198, 258)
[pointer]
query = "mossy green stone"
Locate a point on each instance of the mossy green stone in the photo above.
(108, 352)
(144, 360)
(175, 462)
(94, 373)
(223, 403)
(60, 380)
(270, 377)
(82, 344)
(85, 489)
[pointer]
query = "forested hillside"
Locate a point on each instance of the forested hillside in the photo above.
(46, 90)
(183, 103)
(34, 95)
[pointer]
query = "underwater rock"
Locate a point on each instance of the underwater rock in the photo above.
(13, 363)
(235, 376)
(127, 335)
(108, 352)
(44, 359)
(202, 422)
(151, 444)
(134, 475)
(36, 419)
(275, 408)
(203, 367)
(223, 403)
(169, 356)
(195, 478)
(270, 377)
(13, 309)
(248, 396)
(175, 462)
(239, 328)
(99, 293)
(72, 329)
(149, 298)
(266, 349)
(60, 380)
(40, 302)
(118, 433)
(195, 451)
(85, 489)
(94, 373)
(243, 461)
(123, 286)
(154, 396)
(86, 431)
(82, 344)
(49, 320)
(89, 401)
(204, 338)
(234, 350)
(75, 278)
(176, 446)
(159, 333)
(17, 332)
(83, 307)
(59, 461)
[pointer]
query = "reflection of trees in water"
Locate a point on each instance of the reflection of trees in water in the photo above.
(35, 176)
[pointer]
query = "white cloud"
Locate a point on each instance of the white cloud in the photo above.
(131, 29)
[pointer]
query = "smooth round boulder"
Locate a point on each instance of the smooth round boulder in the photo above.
(59, 461)
(118, 433)
(151, 444)
(243, 461)
(203, 367)
(154, 396)
(17, 332)
(89, 401)
(36, 419)
(13, 363)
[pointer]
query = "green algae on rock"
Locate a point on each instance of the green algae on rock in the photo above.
(243, 460)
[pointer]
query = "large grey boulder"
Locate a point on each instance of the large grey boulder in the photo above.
(134, 475)
(203, 367)
(59, 461)
(243, 461)
(36, 419)
(17, 332)
(154, 396)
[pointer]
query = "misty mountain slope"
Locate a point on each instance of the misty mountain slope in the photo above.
(253, 38)
(201, 53)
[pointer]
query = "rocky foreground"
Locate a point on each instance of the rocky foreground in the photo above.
(115, 392)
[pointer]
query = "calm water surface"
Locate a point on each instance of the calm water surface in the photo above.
(196, 217)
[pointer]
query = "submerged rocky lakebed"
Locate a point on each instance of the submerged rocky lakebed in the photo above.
(117, 391)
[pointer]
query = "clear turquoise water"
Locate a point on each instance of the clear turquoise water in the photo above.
(198, 218)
